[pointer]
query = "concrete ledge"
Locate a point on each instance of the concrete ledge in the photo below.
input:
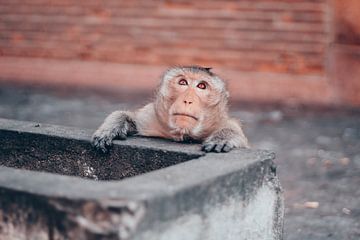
(163, 190)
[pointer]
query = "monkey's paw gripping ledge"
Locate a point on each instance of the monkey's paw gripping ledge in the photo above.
(54, 185)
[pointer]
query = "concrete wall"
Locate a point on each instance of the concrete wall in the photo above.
(269, 50)
(190, 195)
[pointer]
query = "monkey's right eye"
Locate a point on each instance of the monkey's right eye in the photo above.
(183, 82)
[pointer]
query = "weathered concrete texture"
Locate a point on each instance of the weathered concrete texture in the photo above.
(66, 151)
(189, 195)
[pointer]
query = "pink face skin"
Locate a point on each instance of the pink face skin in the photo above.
(190, 103)
(192, 92)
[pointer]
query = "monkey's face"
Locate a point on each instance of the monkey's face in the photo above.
(191, 99)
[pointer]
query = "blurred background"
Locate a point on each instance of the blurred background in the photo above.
(292, 67)
(297, 51)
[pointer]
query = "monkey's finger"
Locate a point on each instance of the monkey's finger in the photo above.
(208, 147)
(218, 147)
(122, 136)
(94, 140)
(227, 147)
(106, 141)
(102, 146)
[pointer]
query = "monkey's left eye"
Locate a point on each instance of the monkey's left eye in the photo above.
(201, 85)
(183, 82)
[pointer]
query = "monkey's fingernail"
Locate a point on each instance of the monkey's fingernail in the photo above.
(208, 147)
(226, 148)
(218, 148)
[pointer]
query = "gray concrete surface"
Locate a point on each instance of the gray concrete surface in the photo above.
(318, 152)
(66, 151)
(191, 195)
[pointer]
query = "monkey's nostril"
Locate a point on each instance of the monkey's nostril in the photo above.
(190, 102)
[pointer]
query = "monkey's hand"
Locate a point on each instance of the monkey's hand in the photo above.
(225, 140)
(118, 125)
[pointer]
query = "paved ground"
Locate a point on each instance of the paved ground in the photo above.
(318, 154)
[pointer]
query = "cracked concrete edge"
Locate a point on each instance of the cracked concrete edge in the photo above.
(163, 181)
(85, 135)
(30, 216)
(278, 221)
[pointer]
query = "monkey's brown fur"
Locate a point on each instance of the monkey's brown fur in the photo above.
(191, 104)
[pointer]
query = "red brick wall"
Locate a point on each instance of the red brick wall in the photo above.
(288, 51)
(347, 22)
(344, 54)
(284, 36)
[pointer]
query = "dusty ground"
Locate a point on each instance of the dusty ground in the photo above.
(318, 154)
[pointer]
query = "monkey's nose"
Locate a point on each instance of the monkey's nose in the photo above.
(187, 102)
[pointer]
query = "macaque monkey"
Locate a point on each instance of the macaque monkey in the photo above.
(190, 105)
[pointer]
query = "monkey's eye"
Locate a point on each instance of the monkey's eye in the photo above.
(201, 85)
(183, 82)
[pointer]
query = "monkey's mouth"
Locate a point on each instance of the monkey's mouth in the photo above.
(186, 115)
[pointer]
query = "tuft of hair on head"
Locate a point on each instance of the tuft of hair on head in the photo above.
(196, 69)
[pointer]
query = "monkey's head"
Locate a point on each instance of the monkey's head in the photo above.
(191, 101)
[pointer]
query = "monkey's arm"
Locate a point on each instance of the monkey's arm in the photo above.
(121, 124)
(118, 124)
(229, 136)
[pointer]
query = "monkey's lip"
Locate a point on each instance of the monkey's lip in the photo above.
(186, 115)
